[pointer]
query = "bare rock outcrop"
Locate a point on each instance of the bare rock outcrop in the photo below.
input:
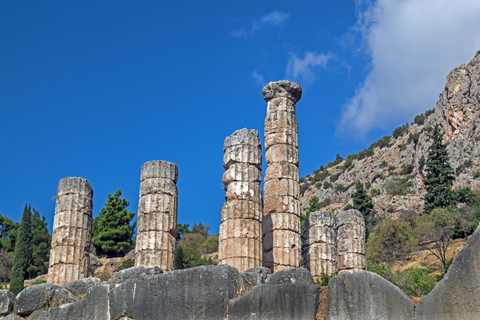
(72, 229)
(281, 223)
(157, 215)
(240, 238)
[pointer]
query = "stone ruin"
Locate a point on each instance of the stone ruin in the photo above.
(320, 244)
(334, 244)
(352, 252)
(281, 222)
(72, 232)
(157, 215)
(240, 238)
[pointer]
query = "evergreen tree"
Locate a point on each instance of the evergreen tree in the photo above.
(363, 203)
(22, 254)
(440, 175)
(8, 231)
(112, 232)
(40, 246)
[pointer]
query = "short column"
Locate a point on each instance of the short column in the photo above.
(352, 253)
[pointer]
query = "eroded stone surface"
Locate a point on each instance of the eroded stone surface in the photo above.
(352, 253)
(157, 215)
(72, 228)
(240, 229)
(320, 244)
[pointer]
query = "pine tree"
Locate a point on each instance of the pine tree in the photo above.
(363, 203)
(40, 246)
(22, 254)
(111, 231)
(440, 175)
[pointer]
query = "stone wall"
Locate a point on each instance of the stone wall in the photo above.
(72, 232)
(281, 224)
(240, 238)
(157, 215)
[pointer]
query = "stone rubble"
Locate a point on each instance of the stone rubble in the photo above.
(72, 228)
(281, 224)
(157, 215)
(240, 240)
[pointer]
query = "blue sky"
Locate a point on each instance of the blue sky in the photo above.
(95, 89)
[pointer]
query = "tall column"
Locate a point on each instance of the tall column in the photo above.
(352, 253)
(281, 222)
(241, 218)
(157, 215)
(320, 244)
(72, 232)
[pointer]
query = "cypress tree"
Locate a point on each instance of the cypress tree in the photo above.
(440, 175)
(22, 253)
(363, 203)
(111, 230)
(40, 246)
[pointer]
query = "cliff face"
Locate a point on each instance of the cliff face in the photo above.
(395, 167)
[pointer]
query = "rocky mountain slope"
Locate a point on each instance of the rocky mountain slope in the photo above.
(393, 167)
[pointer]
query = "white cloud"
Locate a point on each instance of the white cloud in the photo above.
(413, 45)
(258, 78)
(298, 67)
(273, 19)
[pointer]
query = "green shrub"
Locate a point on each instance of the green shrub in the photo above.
(413, 137)
(39, 282)
(368, 185)
(325, 278)
(420, 119)
(407, 169)
(340, 188)
(334, 177)
(126, 264)
(375, 192)
(402, 147)
(400, 131)
(377, 176)
(391, 168)
(303, 188)
(429, 112)
(391, 209)
(327, 185)
(476, 174)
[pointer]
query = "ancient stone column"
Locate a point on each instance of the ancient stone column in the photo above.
(352, 252)
(157, 215)
(72, 232)
(241, 218)
(320, 244)
(281, 221)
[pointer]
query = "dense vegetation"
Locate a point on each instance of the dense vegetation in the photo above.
(193, 245)
(24, 245)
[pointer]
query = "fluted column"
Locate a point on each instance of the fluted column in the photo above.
(281, 224)
(72, 232)
(157, 215)
(320, 244)
(241, 218)
(352, 253)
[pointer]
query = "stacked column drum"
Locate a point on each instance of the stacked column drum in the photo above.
(157, 215)
(281, 223)
(320, 244)
(72, 230)
(241, 218)
(352, 253)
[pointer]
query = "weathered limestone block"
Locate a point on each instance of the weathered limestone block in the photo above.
(34, 298)
(351, 241)
(7, 300)
(79, 288)
(320, 243)
(281, 228)
(195, 293)
(241, 209)
(72, 228)
(455, 297)
(283, 170)
(241, 230)
(365, 295)
(291, 276)
(157, 215)
(241, 172)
